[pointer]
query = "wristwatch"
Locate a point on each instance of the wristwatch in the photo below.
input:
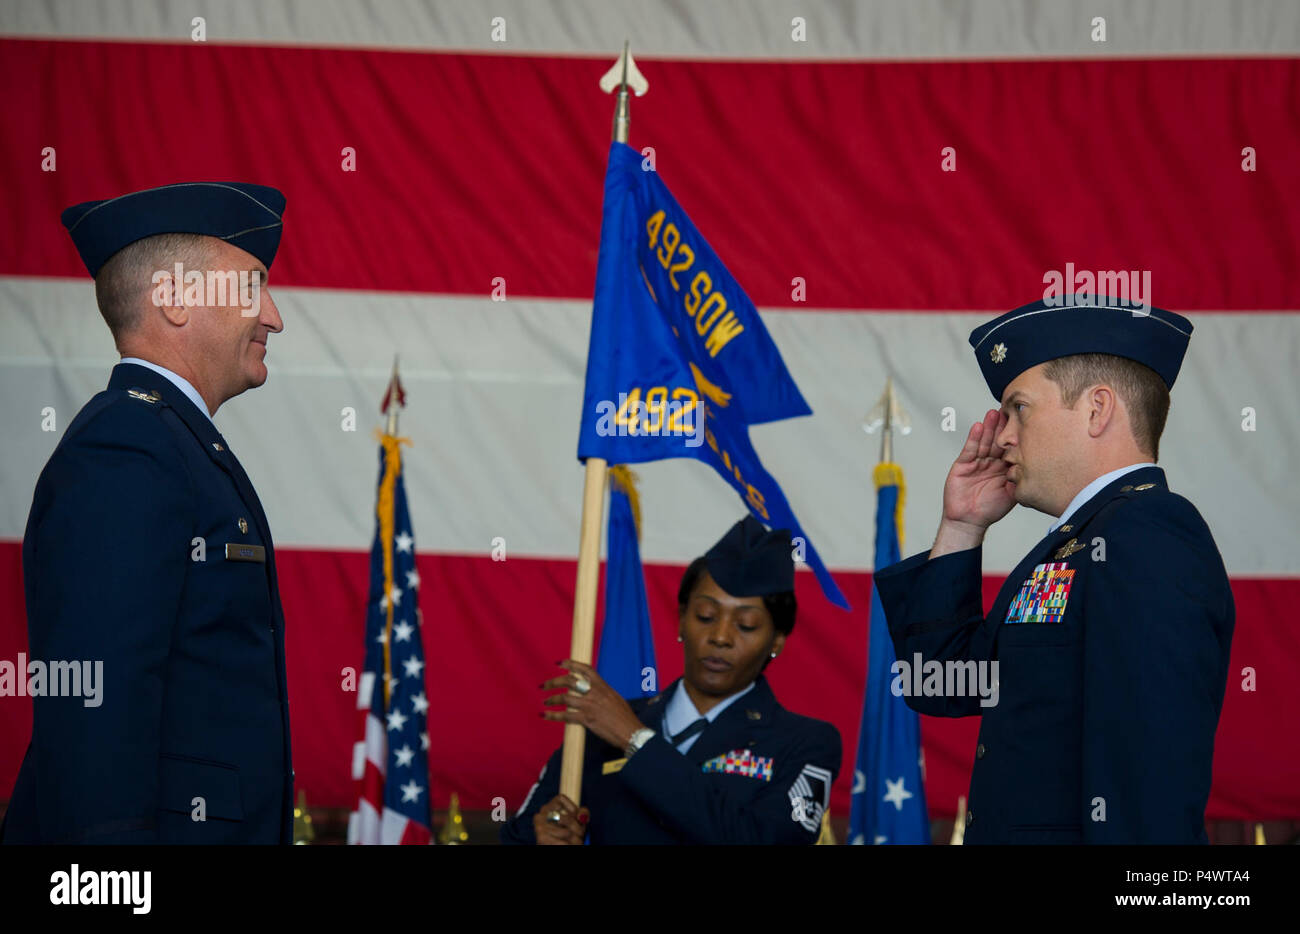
(638, 740)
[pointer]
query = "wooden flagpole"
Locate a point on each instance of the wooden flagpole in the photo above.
(593, 490)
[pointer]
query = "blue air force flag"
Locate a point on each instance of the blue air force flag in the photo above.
(888, 802)
(680, 363)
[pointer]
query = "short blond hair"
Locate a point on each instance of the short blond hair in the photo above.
(1144, 393)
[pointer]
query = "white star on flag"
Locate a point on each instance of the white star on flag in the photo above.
(411, 791)
(404, 755)
(392, 686)
(421, 702)
(395, 595)
(412, 579)
(896, 794)
(383, 637)
(412, 666)
(396, 720)
(403, 631)
(424, 741)
(404, 542)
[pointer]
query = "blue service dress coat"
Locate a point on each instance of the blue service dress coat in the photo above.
(147, 548)
(1112, 640)
(756, 774)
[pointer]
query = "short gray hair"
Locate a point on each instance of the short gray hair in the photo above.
(125, 282)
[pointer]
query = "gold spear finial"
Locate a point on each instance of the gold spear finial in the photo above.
(303, 831)
(888, 416)
(453, 831)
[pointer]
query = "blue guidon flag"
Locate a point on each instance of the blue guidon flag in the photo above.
(627, 647)
(888, 801)
(391, 762)
(680, 363)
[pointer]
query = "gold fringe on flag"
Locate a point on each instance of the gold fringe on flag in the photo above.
(887, 474)
(624, 480)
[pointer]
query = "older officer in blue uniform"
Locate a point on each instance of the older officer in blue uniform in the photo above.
(714, 758)
(1111, 637)
(148, 549)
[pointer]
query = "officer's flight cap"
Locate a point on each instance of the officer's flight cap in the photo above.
(1012, 343)
(750, 561)
(249, 216)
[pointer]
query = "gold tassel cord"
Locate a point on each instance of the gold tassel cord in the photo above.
(386, 510)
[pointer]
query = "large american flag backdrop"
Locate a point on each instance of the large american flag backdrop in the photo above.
(436, 161)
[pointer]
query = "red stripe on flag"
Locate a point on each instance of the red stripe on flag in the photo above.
(493, 627)
(473, 167)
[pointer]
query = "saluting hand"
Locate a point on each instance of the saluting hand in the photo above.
(977, 492)
(600, 709)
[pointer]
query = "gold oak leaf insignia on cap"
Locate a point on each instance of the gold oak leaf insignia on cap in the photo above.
(999, 353)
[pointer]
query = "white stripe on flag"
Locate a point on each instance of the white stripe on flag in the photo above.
(392, 828)
(376, 744)
(366, 821)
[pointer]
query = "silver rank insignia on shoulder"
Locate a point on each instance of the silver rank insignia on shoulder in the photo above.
(1145, 486)
(151, 396)
(1068, 549)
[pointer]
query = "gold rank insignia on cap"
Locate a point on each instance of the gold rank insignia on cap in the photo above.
(1145, 486)
(151, 396)
(998, 353)
(753, 715)
(216, 446)
(1069, 548)
(243, 525)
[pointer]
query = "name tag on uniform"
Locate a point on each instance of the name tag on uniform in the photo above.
(1043, 596)
(741, 762)
(612, 766)
(236, 551)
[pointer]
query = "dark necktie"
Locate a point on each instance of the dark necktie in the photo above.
(695, 729)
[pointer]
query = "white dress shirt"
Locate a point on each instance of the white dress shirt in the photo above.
(681, 713)
(1091, 490)
(179, 382)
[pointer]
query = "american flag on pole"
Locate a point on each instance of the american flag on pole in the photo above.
(391, 762)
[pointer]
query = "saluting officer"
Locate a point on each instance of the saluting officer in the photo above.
(147, 548)
(713, 758)
(1111, 637)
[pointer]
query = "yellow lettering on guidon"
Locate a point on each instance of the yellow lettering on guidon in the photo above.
(714, 321)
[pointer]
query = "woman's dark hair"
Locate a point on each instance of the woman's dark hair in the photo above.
(781, 606)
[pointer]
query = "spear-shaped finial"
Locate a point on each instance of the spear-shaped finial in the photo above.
(888, 416)
(394, 399)
(622, 76)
